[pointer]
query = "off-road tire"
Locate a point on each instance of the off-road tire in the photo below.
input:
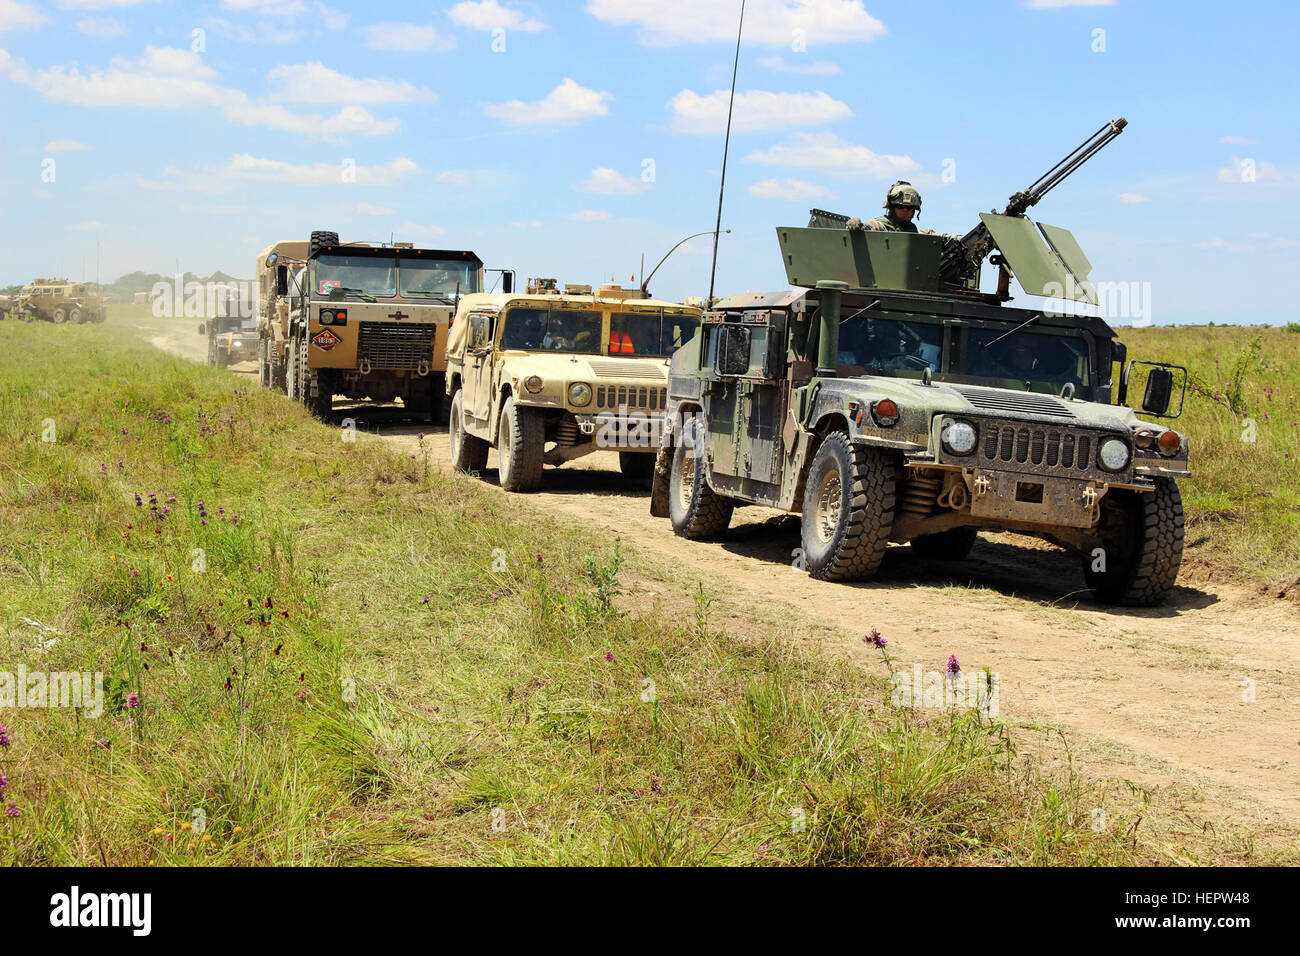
(59, 315)
(76, 316)
(1140, 571)
(697, 512)
(322, 404)
(469, 453)
(320, 240)
(521, 440)
(291, 370)
(951, 545)
(848, 509)
(637, 466)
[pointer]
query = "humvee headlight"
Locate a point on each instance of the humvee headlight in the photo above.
(1169, 443)
(580, 394)
(327, 317)
(885, 412)
(533, 383)
(1113, 454)
(958, 437)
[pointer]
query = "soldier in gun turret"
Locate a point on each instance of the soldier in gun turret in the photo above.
(902, 204)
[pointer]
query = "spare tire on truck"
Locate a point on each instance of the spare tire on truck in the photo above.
(320, 240)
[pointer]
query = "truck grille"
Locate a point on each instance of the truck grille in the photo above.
(631, 396)
(1000, 400)
(1066, 452)
(391, 345)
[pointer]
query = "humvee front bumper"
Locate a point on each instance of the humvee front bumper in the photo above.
(636, 430)
(1040, 499)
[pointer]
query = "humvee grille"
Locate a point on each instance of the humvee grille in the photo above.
(1059, 451)
(390, 345)
(631, 396)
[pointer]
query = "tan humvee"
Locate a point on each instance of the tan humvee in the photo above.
(58, 301)
(548, 376)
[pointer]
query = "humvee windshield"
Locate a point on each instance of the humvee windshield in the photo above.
(885, 345)
(552, 330)
(365, 275)
(650, 334)
(1027, 356)
(422, 277)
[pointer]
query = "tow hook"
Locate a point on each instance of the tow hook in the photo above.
(364, 366)
(423, 369)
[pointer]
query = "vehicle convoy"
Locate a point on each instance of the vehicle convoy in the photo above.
(58, 301)
(892, 401)
(366, 321)
(548, 376)
(231, 337)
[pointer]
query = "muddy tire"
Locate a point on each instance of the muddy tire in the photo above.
(696, 510)
(521, 439)
(848, 510)
(952, 545)
(59, 316)
(76, 316)
(322, 403)
(1142, 537)
(636, 466)
(468, 453)
(319, 240)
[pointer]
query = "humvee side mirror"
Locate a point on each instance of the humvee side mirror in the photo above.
(272, 259)
(203, 328)
(281, 280)
(733, 355)
(507, 282)
(1160, 389)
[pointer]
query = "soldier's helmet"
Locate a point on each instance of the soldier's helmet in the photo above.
(902, 193)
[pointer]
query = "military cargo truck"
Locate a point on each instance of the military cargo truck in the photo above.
(548, 376)
(366, 321)
(231, 337)
(59, 301)
(888, 400)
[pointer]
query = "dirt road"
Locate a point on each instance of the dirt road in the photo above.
(1199, 698)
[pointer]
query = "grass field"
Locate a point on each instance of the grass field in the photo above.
(318, 651)
(1243, 416)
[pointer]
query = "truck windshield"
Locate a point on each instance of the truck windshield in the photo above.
(552, 330)
(424, 277)
(890, 345)
(650, 334)
(339, 276)
(1027, 356)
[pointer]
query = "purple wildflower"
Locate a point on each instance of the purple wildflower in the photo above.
(4, 736)
(133, 699)
(954, 666)
(876, 640)
(102, 743)
(12, 810)
(609, 656)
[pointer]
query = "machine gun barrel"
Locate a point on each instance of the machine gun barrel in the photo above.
(962, 258)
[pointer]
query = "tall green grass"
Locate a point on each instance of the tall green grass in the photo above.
(342, 657)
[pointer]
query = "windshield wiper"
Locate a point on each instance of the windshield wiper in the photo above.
(361, 294)
(1032, 318)
(445, 296)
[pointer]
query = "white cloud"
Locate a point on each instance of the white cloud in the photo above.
(331, 18)
(272, 8)
(827, 153)
(315, 82)
(610, 182)
(367, 209)
(1056, 4)
(590, 215)
(102, 28)
(244, 166)
(789, 189)
(490, 15)
(63, 146)
(454, 177)
(754, 110)
(262, 34)
(93, 226)
(1225, 245)
(1251, 171)
(1236, 141)
(100, 4)
(1133, 198)
(565, 105)
(20, 16)
(767, 22)
(417, 230)
(815, 68)
(407, 38)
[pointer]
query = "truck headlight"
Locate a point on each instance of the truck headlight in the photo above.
(580, 394)
(327, 317)
(533, 383)
(958, 437)
(1113, 454)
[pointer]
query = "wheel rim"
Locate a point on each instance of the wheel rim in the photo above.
(830, 506)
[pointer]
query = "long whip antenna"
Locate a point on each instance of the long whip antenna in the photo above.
(726, 147)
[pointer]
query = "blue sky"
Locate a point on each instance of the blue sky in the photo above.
(568, 139)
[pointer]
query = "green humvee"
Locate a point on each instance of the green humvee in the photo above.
(889, 400)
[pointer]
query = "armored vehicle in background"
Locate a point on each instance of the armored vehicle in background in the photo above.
(573, 370)
(891, 401)
(368, 322)
(58, 301)
(231, 337)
